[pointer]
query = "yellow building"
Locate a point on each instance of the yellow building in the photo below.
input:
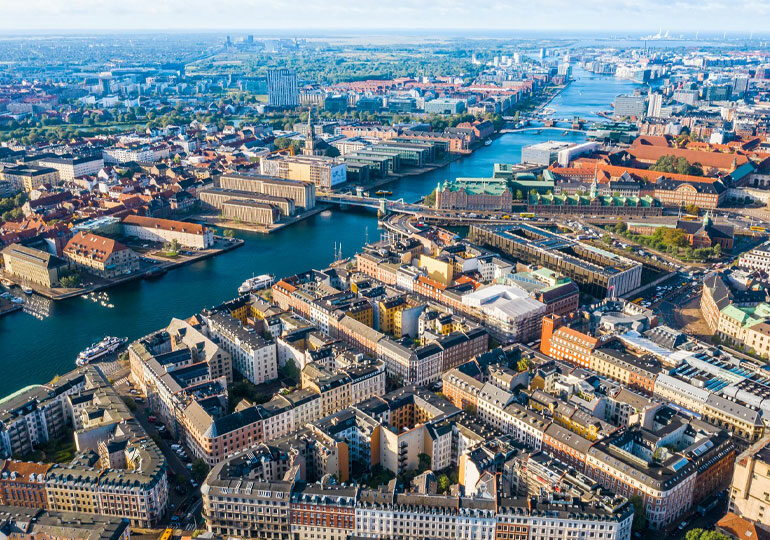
(32, 265)
(438, 268)
(390, 309)
(29, 177)
(362, 312)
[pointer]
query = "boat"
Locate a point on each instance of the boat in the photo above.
(326, 213)
(488, 142)
(7, 283)
(255, 284)
(383, 192)
(26, 289)
(97, 350)
(17, 300)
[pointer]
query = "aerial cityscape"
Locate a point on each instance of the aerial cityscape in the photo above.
(392, 271)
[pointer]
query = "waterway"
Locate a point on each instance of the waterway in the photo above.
(34, 350)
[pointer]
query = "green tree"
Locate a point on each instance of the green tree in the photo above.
(423, 462)
(525, 364)
(640, 517)
(228, 233)
(199, 470)
(692, 209)
(443, 483)
(332, 152)
(519, 195)
(290, 371)
(701, 534)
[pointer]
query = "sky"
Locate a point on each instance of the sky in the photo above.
(614, 16)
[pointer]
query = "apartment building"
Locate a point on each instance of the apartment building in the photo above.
(23, 484)
(128, 480)
(29, 177)
(669, 482)
(751, 484)
(293, 509)
(189, 235)
(73, 167)
(756, 259)
(36, 414)
(253, 356)
(100, 255)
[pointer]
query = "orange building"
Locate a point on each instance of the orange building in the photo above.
(564, 343)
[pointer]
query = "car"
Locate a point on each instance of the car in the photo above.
(683, 525)
(176, 446)
(152, 419)
(189, 466)
(193, 483)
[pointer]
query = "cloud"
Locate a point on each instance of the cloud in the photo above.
(564, 15)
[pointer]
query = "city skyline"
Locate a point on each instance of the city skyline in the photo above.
(552, 15)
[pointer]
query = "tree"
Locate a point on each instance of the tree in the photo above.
(173, 246)
(679, 165)
(290, 371)
(443, 483)
(423, 462)
(519, 195)
(524, 364)
(228, 233)
(199, 470)
(692, 209)
(701, 534)
(332, 152)
(470, 409)
(640, 517)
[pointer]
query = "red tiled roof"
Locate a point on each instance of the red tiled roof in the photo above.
(93, 246)
(715, 160)
(165, 224)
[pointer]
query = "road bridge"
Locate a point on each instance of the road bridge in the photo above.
(541, 128)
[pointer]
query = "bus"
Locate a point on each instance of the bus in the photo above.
(690, 217)
(166, 534)
(757, 228)
(638, 300)
(527, 215)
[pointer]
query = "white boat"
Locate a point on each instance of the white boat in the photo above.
(488, 142)
(97, 350)
(26, 290)
(255, 284)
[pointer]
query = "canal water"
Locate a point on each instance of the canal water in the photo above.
(34, 350)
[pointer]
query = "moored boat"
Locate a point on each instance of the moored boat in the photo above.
(256, 283)
(98, 350)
